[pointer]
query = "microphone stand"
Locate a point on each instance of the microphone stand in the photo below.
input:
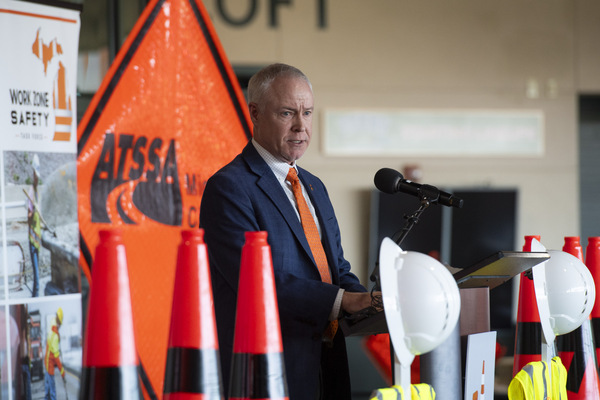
(426, 197)
(411, 221)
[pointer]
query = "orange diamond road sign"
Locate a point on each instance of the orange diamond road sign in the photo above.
(168, 114)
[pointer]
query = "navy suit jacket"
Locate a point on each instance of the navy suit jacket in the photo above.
(245, 196)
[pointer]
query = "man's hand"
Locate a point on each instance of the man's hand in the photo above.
(356, 301)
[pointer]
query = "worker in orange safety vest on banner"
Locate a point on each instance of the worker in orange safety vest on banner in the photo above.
(52, 359)
(531, 382)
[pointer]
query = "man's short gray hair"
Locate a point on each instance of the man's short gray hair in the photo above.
(261, 81)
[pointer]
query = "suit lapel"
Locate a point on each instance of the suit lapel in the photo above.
(273, 190)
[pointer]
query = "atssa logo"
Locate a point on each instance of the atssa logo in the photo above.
(152, 184)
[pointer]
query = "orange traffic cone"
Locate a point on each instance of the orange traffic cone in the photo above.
(377, 349)
(592, 260)
(192, 370)
(257, 368)
(528, 333)
(577, 350)
(573, 246)
(110, 361)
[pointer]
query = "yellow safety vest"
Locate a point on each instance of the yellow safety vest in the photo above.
(531, 382)
(35, 225)
(419, 391)
(52, 358)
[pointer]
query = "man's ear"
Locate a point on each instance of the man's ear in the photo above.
(253, 110)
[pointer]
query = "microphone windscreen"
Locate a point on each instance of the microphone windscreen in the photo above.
(387, 180)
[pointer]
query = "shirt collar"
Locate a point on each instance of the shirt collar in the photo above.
(279, 168)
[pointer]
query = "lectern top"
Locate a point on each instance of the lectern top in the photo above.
(498, 268)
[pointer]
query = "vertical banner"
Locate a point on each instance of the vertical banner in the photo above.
(40, 286)
(168, 114)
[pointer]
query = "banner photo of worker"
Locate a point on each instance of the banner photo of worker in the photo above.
(41, 225)
(45, 349)
(40, 281)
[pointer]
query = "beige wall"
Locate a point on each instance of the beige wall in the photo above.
(462, 54)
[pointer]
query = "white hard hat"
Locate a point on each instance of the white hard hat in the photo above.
(571, 291)
(421, 298)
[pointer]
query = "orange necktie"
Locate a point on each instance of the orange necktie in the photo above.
(314, 240)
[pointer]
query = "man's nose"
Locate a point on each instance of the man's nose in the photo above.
(299, 124)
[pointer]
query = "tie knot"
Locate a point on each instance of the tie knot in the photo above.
(292, 176)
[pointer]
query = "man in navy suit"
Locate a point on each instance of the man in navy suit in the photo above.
(252, 193)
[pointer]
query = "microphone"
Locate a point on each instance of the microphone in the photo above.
(391, 181)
